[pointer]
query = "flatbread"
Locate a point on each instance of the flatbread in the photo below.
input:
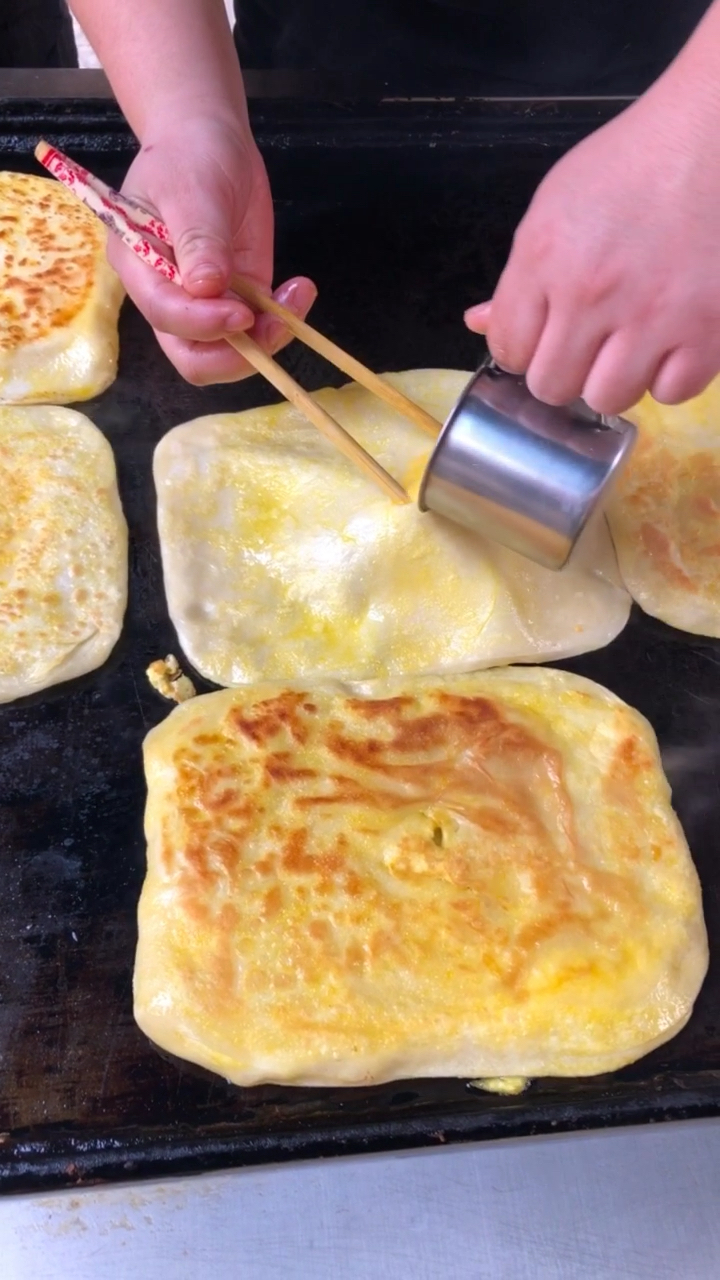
(665, 516)
(59, 298)
(282, 562)
(476, 876)
(63, 549)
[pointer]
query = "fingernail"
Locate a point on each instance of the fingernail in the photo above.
(297, 295)
(204, 273)
(479, 312)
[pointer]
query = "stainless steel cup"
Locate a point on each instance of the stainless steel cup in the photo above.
(521, 472)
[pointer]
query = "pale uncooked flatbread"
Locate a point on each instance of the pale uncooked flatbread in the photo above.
(59, 298)
(282, 562)
(665, 516)
(475, 876)
(63, 549)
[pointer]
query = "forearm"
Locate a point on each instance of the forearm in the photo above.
(165, 58)
(691, 84)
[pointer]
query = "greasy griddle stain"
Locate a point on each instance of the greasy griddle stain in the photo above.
(49, 243)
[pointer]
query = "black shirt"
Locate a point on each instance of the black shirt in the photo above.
(516, 47)
(36, 33)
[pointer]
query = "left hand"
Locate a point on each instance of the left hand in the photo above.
(612, 287)
(204, 176)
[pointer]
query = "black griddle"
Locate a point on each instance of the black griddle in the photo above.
(403, 213)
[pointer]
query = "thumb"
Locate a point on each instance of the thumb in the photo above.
(201, 232)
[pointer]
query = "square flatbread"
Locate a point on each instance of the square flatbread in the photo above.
(472, 876)
(63, 549)
(282, 562)
(665, 516)
(59, 298)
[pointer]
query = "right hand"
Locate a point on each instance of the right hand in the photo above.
(206, 179)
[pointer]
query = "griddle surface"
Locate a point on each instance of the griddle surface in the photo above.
(402, 224)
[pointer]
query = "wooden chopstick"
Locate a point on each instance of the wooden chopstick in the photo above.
(337, 435)
(259, 301)
(129, 223)
(133, 223)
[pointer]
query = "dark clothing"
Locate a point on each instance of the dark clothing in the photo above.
(514, 47)
(36, 33)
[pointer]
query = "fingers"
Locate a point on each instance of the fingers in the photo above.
(204, 363)
(477, 318)
(298, 295)
(683, 374)
(209, 185)
(625, 368)
(613, 372)
(211, 236)
(611, 287)
(217, 226)
(512, 342)
(516, 323)
(563, 358)
(199, 217)
(568, 355)
(169, 308)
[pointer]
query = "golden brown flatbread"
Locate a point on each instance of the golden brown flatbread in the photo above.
(59, 297)
(665, 515)
(63, 549)
(282, 562)
(476, 876)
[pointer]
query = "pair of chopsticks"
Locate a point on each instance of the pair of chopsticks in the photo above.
(136, 226)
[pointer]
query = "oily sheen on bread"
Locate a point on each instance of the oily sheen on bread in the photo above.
(474, 876)
(665, 516)
(63, 549)
(283, 562)
(59, 298)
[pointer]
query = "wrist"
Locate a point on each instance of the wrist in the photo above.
(175, 114)
(687, 95)
(162, 55)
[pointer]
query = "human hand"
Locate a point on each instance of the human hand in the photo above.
(207, 181)
(612, 287)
